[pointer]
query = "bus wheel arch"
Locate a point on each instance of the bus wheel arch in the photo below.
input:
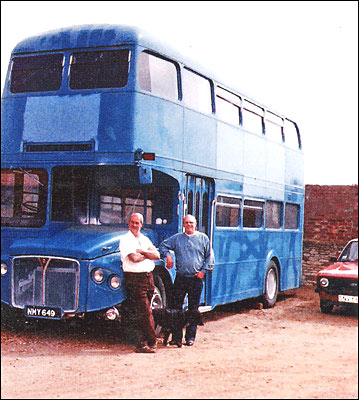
(271, 283)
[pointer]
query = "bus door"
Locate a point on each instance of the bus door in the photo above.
(199, 195)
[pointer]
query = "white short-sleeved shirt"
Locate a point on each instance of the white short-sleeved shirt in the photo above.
(129, 243)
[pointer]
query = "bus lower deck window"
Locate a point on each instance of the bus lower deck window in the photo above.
(23, 197)
(252, 214)
(273, 215)
(291, 216)
(228, 211)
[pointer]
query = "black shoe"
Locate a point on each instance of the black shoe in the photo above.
(189, 342)
(146, 349)
(175, 343)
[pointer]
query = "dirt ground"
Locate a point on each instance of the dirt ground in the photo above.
(290, 351)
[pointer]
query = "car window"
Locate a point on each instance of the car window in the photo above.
(350, 253)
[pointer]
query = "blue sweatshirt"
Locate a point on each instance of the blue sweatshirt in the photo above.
(193, 253)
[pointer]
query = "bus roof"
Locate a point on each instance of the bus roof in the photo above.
(85, 36)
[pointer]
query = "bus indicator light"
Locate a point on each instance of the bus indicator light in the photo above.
(149, 156)
(141, 155)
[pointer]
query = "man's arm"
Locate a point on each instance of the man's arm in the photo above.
(165, 247)
(208, 259)
(136, 257)
(151, 253)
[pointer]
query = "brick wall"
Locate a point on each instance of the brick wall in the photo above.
(330, 221)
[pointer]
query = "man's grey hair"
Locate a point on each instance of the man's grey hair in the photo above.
(139, 215)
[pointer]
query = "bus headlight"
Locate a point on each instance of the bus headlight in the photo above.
(97, 275)
(324, 282)
(115, 282)
(4, 269)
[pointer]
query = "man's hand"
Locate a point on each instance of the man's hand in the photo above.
(200, 274)
(169, 261)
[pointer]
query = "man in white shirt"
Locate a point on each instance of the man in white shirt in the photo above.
(138, 255)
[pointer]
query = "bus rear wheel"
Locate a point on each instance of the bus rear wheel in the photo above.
(270, 285)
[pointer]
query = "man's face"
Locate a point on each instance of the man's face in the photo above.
(190, 224)
(135, 224)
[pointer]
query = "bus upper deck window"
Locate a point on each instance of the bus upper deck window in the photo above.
(252, 118)
(273, 127)
(196, 91)
(158, 76)
(99, 69)
(291, 135)
(36, 73)
(228, 106)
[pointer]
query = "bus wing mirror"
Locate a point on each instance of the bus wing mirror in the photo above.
(145, 175)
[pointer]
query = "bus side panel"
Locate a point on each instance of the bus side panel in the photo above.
(229, 149)
(275, 171)
(292, 264)
(243, 276)
(294, 169)
(158, 127)
(115, 129)
(199, 142)
(254, 165)
(12, 125)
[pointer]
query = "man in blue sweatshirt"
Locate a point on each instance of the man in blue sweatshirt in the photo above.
(194, 258)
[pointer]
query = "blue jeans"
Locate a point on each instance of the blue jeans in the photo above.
(192, 286)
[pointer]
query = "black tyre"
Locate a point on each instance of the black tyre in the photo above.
(326, 306)
(271, 283)
(159, 299)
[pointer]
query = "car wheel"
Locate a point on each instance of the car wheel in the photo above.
(326, 306)
(270, 285)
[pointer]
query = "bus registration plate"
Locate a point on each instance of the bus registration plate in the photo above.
(42, 312)
(348, 299)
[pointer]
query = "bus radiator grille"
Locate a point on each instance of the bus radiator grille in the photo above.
(45, 281)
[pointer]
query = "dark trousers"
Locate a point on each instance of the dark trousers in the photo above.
(140, 287)
(192, 286)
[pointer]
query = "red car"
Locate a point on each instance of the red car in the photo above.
(337, 284)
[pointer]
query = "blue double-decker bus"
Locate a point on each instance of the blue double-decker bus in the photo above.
(99, 122)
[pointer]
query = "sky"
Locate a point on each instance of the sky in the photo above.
(298, 58)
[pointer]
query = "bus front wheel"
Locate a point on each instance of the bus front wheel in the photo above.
(159, 298)
(270, 285)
